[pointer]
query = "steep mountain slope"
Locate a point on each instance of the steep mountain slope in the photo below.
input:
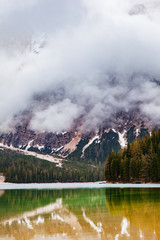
(93, 145)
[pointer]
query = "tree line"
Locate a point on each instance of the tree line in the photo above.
(138, 162)
(19, 168)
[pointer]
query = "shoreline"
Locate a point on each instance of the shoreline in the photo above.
(75, 185)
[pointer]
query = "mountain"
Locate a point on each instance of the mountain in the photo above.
(115, 133)
(81, 80)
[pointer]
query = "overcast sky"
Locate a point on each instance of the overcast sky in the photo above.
(87, 58)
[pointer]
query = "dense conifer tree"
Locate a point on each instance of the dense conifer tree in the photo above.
(139, 161)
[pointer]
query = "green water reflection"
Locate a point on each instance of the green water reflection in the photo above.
(80, 214)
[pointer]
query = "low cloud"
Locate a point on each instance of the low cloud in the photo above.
(57, 117)
(86, 58)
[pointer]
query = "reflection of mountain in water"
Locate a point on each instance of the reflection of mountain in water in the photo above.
(44, 220)
(80, 214)
(139, 206)
(64, 214)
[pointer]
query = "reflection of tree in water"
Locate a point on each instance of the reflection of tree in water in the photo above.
(50, 220)
(24, 213)
(17, 201)
(1, 192)
(129, 213)
(140, 206)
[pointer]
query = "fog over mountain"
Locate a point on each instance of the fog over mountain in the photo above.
(64, 60)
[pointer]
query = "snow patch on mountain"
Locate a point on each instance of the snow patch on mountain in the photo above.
(57, 161)
(89, 143)
(137, 132)
(57, 149)
(40, 147)
(29, 144)
(122, 139)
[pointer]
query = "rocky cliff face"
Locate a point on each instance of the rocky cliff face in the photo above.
(93, 145)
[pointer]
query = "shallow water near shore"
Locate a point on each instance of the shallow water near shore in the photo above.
(81, 212)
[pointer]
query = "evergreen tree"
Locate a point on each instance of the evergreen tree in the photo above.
(139, 161)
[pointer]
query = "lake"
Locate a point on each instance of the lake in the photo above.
(79, 213)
